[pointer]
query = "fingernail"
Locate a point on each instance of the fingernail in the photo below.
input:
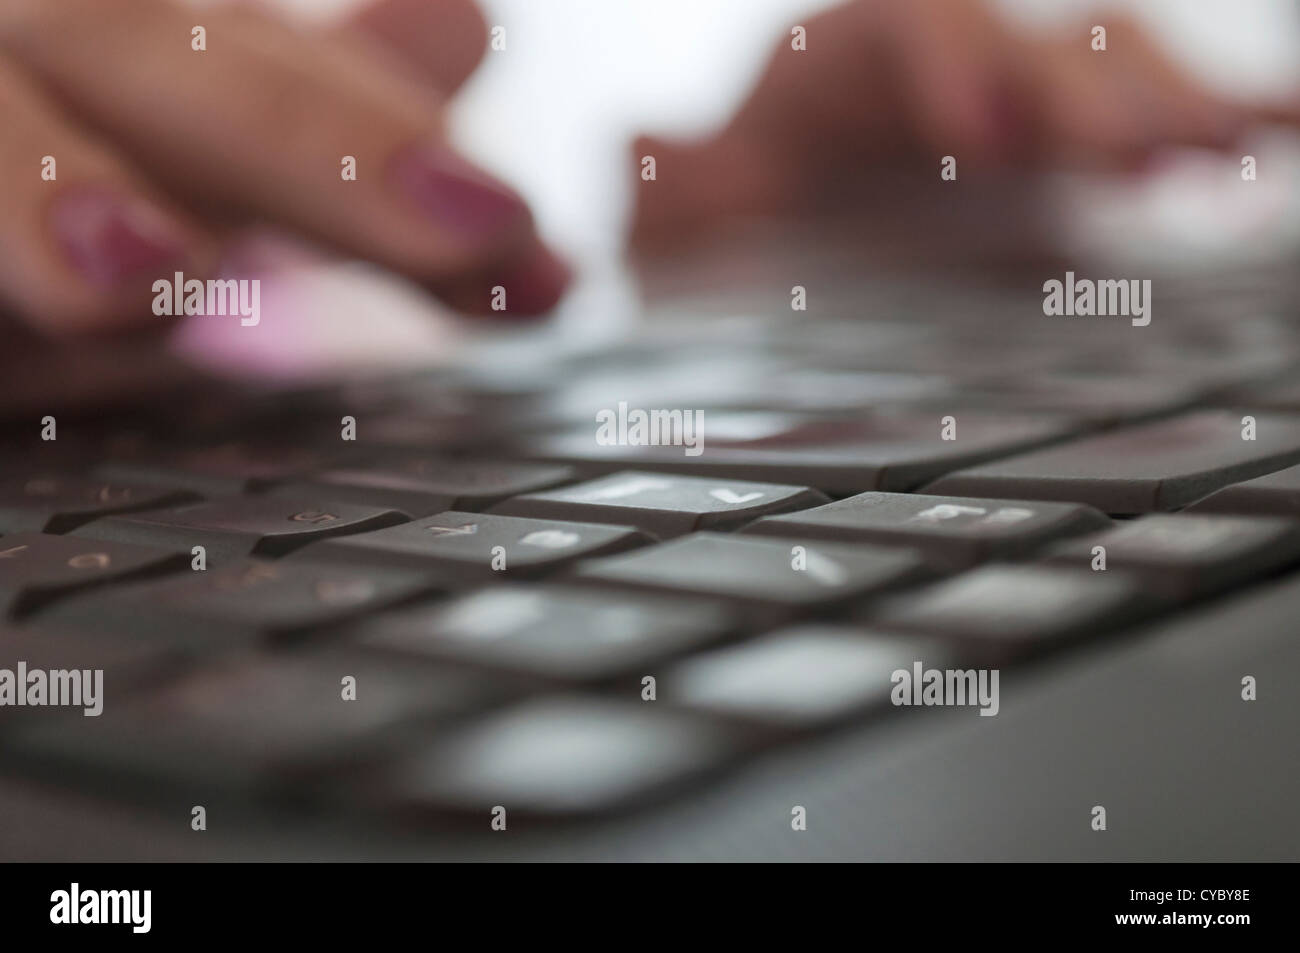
(111, 239)
(456, 195)
(537, 285)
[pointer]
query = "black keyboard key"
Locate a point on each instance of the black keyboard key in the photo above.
(895, 451)
(424, 486)
(1157, 466)
(83, 672)
(951, 531)
(47, 647)
(57, 503)
(1281, 393)
(248, 601)
(476, 547)
(36, 568)
(562, 633)
(661, 504)
(1275, 494)
(241, 526)
(1004, 611)
(256, 724)
(1183, 555)
(760, 576)
(801, 677)
(559, 757)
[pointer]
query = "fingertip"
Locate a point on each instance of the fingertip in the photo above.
(537, 283)
(526, 287)
(443, 40)
(477, 212)
(107, 251)
(111, 240)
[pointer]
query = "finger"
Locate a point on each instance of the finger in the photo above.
(262, 122)
(958, 66)
(1082, 116)
(1274, 113)
(442, 41)
(1114, 109)
(529, 285)
(82, 237)
(1170, 102)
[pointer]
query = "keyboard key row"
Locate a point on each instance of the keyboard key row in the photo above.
(764, 578)
(1184, 555)
(36, 568)
(1158, 466)
(802, 677)
(554, 632)
(840, 456)
(57, 503)
(475, 547)
(953, 532)
(1275, 494)
(242, 603)
(254, 724)
(240, 526)
(661, 504)
(556, 756)
(1005, 612)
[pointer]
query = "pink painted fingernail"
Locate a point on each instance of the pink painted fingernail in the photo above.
(456, 195)
(536, 285)
(111, 239)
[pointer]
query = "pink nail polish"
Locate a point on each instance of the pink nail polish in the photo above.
(110, 238)
(536, 286)
(456, 195)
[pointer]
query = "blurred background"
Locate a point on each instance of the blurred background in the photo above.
(533, 114)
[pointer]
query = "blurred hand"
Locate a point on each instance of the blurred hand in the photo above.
(163, 150)
(885, 89)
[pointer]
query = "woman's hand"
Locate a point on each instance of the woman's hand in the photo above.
(885, 89)
(159, 150)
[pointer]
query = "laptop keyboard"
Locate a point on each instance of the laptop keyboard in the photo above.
(476, 603)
